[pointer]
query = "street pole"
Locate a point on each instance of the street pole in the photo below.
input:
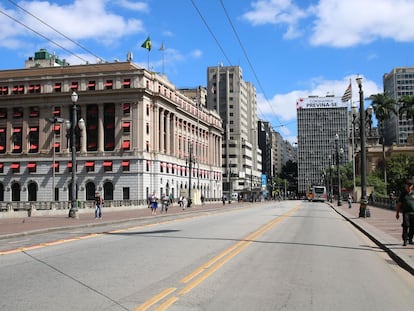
(363, 206)
(337, 169)
(73, 208)
(190, 166)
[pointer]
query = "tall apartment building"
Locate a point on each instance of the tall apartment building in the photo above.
(398, 83)
(138, 138)
(272, 145)
(319, 120)
(235, 101)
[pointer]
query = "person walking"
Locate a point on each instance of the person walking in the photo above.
(405, 205)
(349, 200)
(165, 202)
(154, 204)
(98, 205)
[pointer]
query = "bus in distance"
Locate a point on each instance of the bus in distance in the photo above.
(319, 193)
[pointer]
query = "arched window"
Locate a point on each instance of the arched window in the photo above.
(15, 192)
(90, 191)
(32, 191)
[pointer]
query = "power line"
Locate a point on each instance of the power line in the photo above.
(211, 32)
(54, 29)
(43, 36)
(248, 60)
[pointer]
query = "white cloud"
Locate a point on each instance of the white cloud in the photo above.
(134, 5)
(347, 23)
(277, 12)
(80, 20)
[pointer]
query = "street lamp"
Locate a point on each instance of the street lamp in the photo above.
(337, 168)
(73, 208)
(190, 167)
(363, 205)
(230, 183)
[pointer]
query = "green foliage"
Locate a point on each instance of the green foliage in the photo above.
(399, 168)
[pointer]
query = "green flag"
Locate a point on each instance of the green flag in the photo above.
(147, 44)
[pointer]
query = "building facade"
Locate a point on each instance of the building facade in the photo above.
(138, 138)
(235, 101)
(319, 120)
(398, 83)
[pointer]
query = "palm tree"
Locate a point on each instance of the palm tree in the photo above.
(407, 107)
(384, 108)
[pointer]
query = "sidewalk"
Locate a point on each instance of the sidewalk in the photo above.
(382, 227)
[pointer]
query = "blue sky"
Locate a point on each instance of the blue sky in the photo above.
(286, 48)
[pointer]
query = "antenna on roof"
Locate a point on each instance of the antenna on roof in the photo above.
(129, 56)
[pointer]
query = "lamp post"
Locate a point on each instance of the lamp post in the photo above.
(363, 206)
(337, 168)
(230, 184)
(73, 208)
(190, 167)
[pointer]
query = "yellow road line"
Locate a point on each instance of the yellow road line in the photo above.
(155, 299)
(210, 267)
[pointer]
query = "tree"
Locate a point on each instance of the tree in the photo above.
(407, 107)
(400, 167)
(384, 108)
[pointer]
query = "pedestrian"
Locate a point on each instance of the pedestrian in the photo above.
(165, 201)
(349, 200)
(184, 202)
(154, 204)
(98, 205)
(202, 199)
(224, 199)
(180, 201)
(405, 205)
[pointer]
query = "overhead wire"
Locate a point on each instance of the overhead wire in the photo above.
(56, 30)
(248, 60)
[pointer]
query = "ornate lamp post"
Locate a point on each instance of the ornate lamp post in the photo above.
(363, 205)
(190, 168)
(73, 207)
(337, 169)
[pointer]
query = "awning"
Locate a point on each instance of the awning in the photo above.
(56, 145)
(70, 164)
(17, 130)
(32, 147)
(126, 106)
(89, 163)
(107, 163)
(34, 129)
(55, 165)
(15, 166)
(1, 165)
(57, 127)
(125, 163)
(31, 165)
(126, 144)
(126, 124)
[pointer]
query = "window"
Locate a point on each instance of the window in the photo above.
(109, 127)
(90, 166)
(74, 86)
(17, 140)
(34, 112)
(125, 193)
(126, 108)
(126, 145)
(126, 126)
(4, 90)
(17, 113)
(127, 83)
(34, 139)
(58, 87)
(148, 128)
(92, 119)
(3, 113)
(31, 166)
(125, 166)
(107, 166)
(91, 85)
(15, 167)
(3, 140)
(108, 84)
(56, 166)
(34, 88)
(1, 168)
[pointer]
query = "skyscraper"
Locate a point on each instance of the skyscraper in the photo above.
(398, 83)
(319, 120)
(235, 101)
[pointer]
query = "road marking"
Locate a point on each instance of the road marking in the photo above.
(155, 299)
(195, 278)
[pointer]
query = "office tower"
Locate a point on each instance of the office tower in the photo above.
(319, 120)
(235, 101)
(398, 83)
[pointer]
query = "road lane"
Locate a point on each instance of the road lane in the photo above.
(265, 260)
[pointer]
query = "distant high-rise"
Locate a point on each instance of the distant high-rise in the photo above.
(235, 101)
(398, 83)
(319, 120)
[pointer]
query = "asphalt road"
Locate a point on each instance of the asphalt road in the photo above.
(286, 256)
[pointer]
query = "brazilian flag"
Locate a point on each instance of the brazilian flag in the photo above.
(147, 44)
